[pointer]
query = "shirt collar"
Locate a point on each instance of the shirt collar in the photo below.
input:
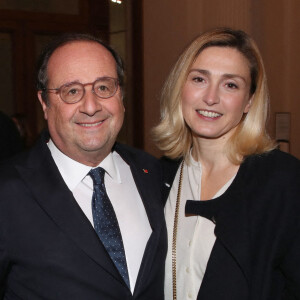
(110, 167)
(74, 172)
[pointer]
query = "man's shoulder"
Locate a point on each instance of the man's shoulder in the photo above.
(134, 155)
(11, 179)
(28, 159)
(7, 166)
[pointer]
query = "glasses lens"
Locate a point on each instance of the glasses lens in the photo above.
(105, 87)
(72, 93)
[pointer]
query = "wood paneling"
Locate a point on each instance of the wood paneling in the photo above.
(275, 25)
(27, 29)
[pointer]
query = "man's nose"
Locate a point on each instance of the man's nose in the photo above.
(90, 102)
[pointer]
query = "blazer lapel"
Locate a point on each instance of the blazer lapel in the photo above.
(230, 215)
(231, 229)
(49, 190)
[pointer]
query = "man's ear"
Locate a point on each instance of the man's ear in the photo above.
(43, 103)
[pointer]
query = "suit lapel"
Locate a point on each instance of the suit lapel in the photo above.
(44, 180)
(169, 169)
(148, 194)
(146, 180)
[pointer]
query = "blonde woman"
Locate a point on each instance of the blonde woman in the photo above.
(232, 199)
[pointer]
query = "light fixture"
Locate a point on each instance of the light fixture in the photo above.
(117, 1)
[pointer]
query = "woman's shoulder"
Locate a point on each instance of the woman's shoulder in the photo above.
(274, 169)
(274, 160)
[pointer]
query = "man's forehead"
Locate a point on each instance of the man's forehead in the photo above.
(82, 59)
(73, 48)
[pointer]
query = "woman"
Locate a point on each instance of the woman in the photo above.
(244, 241)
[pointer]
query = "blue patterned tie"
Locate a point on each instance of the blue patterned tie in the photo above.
(106, 223)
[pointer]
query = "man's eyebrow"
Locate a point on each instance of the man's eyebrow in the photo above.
(70, 82)
(78, 81)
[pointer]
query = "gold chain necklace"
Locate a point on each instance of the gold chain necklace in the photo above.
(175, 226)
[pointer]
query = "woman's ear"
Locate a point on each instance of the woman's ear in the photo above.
(248, 105)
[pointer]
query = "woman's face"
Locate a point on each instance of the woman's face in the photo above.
(216, 93)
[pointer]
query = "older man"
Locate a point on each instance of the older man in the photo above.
(81, 215)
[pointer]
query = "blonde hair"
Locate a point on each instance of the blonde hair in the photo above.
(173, 136)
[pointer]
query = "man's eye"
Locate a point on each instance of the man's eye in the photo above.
(73, 91)
(102, 88)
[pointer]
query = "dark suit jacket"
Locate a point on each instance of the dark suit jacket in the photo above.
(256, 255)
(49, 249)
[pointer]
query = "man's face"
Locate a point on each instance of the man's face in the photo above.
(84, 131)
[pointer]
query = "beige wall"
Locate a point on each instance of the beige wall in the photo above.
(169, 25)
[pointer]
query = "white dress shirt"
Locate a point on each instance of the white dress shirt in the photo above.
(122, 192)
(195, 235)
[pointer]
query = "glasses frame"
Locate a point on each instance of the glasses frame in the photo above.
(58, 90)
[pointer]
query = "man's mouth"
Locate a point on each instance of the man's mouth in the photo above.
(90, 124)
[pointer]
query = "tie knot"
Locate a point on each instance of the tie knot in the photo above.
(97, 175)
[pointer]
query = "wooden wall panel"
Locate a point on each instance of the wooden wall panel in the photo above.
(276, 28)
(165, 35)
(169, 26)
(293, 80)
(232, 13)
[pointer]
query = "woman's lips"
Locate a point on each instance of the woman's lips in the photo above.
(208, 114)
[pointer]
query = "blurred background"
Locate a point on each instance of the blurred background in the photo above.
(149, 35)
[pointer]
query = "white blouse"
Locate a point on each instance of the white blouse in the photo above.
(195, 235)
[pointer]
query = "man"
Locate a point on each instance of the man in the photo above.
(52, 232)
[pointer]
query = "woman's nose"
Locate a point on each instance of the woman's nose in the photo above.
(212, 96)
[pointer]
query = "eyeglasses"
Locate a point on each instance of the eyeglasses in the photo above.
(104, 87)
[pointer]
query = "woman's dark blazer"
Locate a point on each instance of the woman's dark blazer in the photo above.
(256, 255)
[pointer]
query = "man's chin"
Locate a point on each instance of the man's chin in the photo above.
(96, 146)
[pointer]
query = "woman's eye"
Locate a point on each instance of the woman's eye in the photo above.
(231, 85)
(198, 79)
